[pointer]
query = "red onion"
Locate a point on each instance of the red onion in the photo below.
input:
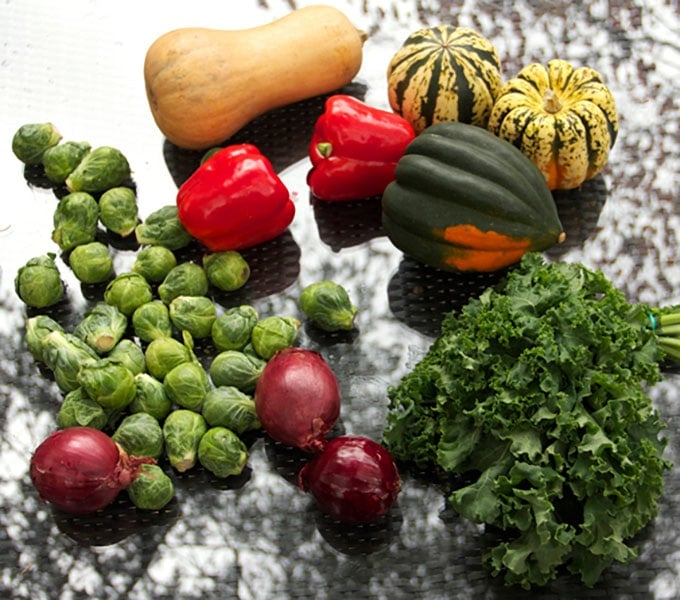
(297, 399)
(81, 469)
(354, 479)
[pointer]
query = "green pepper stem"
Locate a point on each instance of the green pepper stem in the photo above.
(325, 149)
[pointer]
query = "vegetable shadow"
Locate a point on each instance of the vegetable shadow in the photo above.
(348, 223)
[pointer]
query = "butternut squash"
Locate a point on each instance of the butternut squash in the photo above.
(203, 85)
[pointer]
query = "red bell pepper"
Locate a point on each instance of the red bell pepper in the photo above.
(235, 200)
(354, 149)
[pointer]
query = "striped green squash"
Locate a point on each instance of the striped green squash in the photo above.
(444, 73)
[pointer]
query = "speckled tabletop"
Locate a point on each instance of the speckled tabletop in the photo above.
(79, 65)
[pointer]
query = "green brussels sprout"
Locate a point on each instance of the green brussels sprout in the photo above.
(182, 433)
(328, 305)
(140, 434)
(163, 228)
(152, 489)
(38, 283)
(186, 279)
(272, 334)
(61, 160)
(227, 406)
(227, 271)
(129, 354)
(232, 329)
(78, 409)
(91, 262)
(101, 169)
(127, 292)
(194, 314)
(150, 397)
(154, 263)
(187, 384)
(237, 369)
(37, 328)
(209, 153)
(222, 452)
(118, 210)
(102, 327)
(75, 220)
(31, 140)
(108, 382)
(151, 320)
(65, 354)
(164, 354)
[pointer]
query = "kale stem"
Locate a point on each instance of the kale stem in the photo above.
(670, 345)
(669, 330)
(670, 318)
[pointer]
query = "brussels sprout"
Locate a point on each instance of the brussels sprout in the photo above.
(163, 228)
(328, 305)
(194, 314)
(154, 263)
(78, 409)
(187, 384)
(118, 210)
(150, 397)
(222, 452)
(232, 329)
(151, 320)
(65, 354)
(61, 160)
(129, 354)
(31, 140)
(152, 489)
(272, 334)
(164, 354)
(127, 292)
(186, 279)
(108, 382)
(227, 271)
(101, 169)
(36, 329)
(229, 407)
(102, 327)
(237, 369)
(140, 434)
(38, 283)
(75, 220)
(91, 262)
(182, 433)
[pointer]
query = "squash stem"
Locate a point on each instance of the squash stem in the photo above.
(551, 102)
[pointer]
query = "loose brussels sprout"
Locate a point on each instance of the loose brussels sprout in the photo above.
(229, 407)
(102, 327)
(38, 283)
(75, 220)
(187, 384)
(140, 434)
(91, 262)
(237, 369)
(328, 305)
(61, 160)
(186, 279)
(31, 140)
(222, 452)
(272, 334)
(127, 292)
(108, 382)
(182, 433)
(232, 329)
(118, 210)
(152, 489)
(154, 263)
(151, 320)
(150, 397)
(164, 354)
(194, 314)
(78, 409)
(163, 228)
(36, 329)
(129, 354)
(227, 271)
(101, 169)
(65, 354)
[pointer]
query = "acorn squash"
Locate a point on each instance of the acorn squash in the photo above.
(466, 200)
(444, 73)
(563, 118)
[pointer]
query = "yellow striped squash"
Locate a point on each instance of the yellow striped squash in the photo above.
(563, 118)
(444, 73)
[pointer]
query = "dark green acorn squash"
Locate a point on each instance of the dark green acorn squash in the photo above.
(466, 200)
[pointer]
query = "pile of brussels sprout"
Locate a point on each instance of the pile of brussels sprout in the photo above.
(129, 366)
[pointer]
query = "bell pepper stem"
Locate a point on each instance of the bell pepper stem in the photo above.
(325, 149)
